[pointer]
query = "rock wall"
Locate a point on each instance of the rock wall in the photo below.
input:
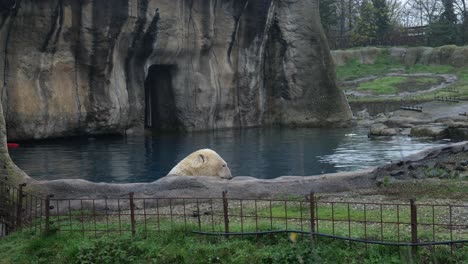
(72, 67)
(445, 55)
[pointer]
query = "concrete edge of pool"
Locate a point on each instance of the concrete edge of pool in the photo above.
(244, 187)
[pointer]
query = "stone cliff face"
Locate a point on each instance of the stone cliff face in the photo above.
(73, 67)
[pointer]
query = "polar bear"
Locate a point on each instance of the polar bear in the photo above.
(203, 162)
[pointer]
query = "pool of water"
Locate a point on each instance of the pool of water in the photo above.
(261, 153)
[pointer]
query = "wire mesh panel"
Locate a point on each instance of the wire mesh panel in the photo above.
(19, 209)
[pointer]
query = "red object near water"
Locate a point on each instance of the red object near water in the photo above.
(13, 145)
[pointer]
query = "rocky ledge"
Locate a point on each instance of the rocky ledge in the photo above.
(437, 121)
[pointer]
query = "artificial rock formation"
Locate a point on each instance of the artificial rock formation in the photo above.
(71, 67)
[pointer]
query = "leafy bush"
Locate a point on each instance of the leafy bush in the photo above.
(106, 250)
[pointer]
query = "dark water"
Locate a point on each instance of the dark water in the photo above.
(262, 153)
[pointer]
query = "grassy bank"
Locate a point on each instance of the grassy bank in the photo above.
(384, 64)
(177, 247)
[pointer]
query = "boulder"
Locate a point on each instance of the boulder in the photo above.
(458, 133)
(457, 127)
(382, 130)
(406, 122)
(435, 131)
(363, 114)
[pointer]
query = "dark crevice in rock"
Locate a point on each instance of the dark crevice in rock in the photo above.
(237, 19)
(101, 57)
(119, 16)
(76, 49)
(215, 4)
(217, 105)
(55, 30)
(218, 102)
(118, 20)
(275, 51)
(138, 30)
(134, 67)
(149, 38)
(206, 28)
(15, 7)
(7, 6)
(191, 24)
(97, 63)
(253, 21)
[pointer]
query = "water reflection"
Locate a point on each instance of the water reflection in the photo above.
(263, 153)
(358, 152)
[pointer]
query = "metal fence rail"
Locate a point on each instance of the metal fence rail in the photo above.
(19, 209)
(400, 224)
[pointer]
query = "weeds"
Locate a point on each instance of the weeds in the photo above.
(176, 247)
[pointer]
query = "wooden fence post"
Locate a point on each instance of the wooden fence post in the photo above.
(47, 213)
(19, 206)
(312, 214)
(414, 225)
(132, 214)
(226, 213)
(312, 225)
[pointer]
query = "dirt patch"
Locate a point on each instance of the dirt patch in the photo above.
(418, 83)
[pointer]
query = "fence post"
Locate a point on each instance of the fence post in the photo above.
(414, 224)
(312, 225)
(132, 213)
(312, 214)
(47, 213)
(19, 206)
(226, 213)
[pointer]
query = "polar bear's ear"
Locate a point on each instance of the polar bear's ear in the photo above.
(201, 158)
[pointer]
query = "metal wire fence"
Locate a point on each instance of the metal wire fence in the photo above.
(399, 224)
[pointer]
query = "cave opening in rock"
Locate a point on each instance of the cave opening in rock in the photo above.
(160, 108)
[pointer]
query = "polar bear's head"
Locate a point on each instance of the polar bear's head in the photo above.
(204, 162)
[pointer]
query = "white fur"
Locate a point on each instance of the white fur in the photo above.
(204, 162)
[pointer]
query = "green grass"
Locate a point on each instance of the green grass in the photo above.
(354, 69)
(179, 247)
(427, 189)
(385, 64)
(385, 85)
(396, 84)
(429, 81)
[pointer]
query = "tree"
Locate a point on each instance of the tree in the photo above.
(462, 12)
(448, 15)
(382, 20)
(338, 17)
(424, 12)
(444, 30)
(395, 11)
(328, 14)
(365, 29)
